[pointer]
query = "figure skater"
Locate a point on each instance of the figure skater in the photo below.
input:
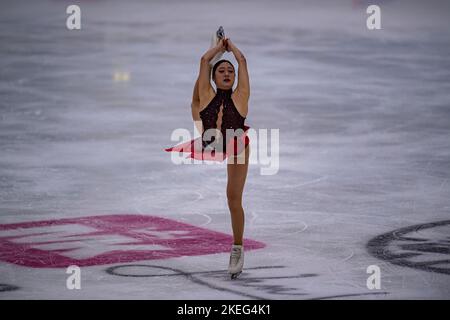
(221, 115)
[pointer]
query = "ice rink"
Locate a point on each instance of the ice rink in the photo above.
(363, 170)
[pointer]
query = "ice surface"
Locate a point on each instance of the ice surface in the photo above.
(364, 120)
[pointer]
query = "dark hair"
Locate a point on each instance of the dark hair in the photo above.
(216, 65)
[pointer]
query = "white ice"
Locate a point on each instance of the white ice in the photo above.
(364, 120)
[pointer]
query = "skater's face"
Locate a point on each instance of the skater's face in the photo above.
(224, 76)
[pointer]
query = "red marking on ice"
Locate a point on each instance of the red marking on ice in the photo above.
(100, 240)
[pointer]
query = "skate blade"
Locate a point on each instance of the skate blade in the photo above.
(235, 275)
(220, 33)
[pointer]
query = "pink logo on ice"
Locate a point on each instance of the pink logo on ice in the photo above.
(100, 240)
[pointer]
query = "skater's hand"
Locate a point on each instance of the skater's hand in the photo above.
(222, 45)
(228, 44)
(236, 52)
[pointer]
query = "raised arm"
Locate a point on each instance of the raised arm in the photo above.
(243, 88)
(195, 106)
(204, 84)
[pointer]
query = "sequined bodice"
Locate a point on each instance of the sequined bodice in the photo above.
(231, 118)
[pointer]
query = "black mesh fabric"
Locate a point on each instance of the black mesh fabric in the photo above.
(231, 119)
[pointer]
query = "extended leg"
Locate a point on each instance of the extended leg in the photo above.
(237, 174)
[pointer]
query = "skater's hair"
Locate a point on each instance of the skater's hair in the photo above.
(216, 65)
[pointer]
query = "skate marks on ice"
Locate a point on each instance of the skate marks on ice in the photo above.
(7, 287)
(423, 246)
(211, 279)
(219, 280)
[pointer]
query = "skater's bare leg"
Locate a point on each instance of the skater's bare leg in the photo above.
(237, 174)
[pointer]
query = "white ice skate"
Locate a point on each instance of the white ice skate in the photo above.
(236, 261)
(217, 36)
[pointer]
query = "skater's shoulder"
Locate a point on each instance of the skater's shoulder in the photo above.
(206, 98)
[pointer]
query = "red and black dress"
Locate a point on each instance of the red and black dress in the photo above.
(216, 144)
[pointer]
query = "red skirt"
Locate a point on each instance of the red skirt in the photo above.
(195, 150)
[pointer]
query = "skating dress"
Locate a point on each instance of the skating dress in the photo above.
(215, 144)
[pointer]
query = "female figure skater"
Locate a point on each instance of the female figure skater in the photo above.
(221, 115)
